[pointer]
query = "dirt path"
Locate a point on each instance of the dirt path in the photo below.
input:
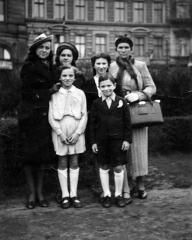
(165, 215)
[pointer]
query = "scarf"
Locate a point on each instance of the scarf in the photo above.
(124, 65)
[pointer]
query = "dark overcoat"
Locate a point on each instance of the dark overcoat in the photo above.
(91, 92)
(37, 80)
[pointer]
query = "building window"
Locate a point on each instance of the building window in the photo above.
(59, 9)
(182, 10)
(119, 11)
(158, 48)
(139, 46)
(157, 12)
(80, 9)
(2, 10)
(183, 47)
(39, 8)
(99, 10)
(138, 12)
(5, 59)
(100, 44)
(58, 39)
(80, 44)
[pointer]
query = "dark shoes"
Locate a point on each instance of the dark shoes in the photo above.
(76, 202)
(128, 200)
(68, 202)
(119, 201)
(43, 203)
(65, 203)
(142, 194)
(106, 202)
(30, 204)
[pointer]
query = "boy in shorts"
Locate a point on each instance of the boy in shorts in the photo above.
(110, 131)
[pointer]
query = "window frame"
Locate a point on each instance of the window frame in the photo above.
(119, 9)
(44, 7)
(99, 36)
(7, 63)
(80, 44)
(159, 51)
(186, 13)
(137, 50)
(77, 12)
(3, 10)
(61, 7)
(135, 15)
(98, 18)
(180, 49)
(155, 11)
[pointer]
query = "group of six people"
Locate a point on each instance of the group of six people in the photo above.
(63, 114)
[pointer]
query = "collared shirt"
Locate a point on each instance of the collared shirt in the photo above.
(108, 99)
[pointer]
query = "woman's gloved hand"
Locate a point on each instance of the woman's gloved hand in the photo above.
(132, 97)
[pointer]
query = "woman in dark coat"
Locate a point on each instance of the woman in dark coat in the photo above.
(37, 81)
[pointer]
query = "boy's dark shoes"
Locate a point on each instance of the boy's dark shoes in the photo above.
(76, 202)
(119, 201)
(65, 203)
(128, 200)
(106, 202)
(142, 194)
(30, 204)
(43, 203)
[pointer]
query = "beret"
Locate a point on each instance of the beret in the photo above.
(67, 45)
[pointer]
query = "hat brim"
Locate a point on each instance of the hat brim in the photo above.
(40, 41)
(70, 46)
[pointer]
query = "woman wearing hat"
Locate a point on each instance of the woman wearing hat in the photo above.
(67, 55)
(37, 82)
(134, 83)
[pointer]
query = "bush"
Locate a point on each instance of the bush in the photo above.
(9, 97)
(172, 87)
(174, 135)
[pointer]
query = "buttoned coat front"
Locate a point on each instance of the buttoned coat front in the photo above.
(113, 122)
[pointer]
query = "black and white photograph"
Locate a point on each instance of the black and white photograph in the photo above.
(96, 119)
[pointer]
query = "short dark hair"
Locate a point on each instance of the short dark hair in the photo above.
(124, 39)
(97, 56)
(106, 77)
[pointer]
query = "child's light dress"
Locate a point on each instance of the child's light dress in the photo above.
(68, 114)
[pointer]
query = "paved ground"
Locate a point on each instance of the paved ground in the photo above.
(165, 215)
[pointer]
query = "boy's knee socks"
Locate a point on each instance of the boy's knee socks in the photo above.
(118, 177)
(63, 180)
(74, 177)
(104, 177)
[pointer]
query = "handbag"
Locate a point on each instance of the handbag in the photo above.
(146, 113)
